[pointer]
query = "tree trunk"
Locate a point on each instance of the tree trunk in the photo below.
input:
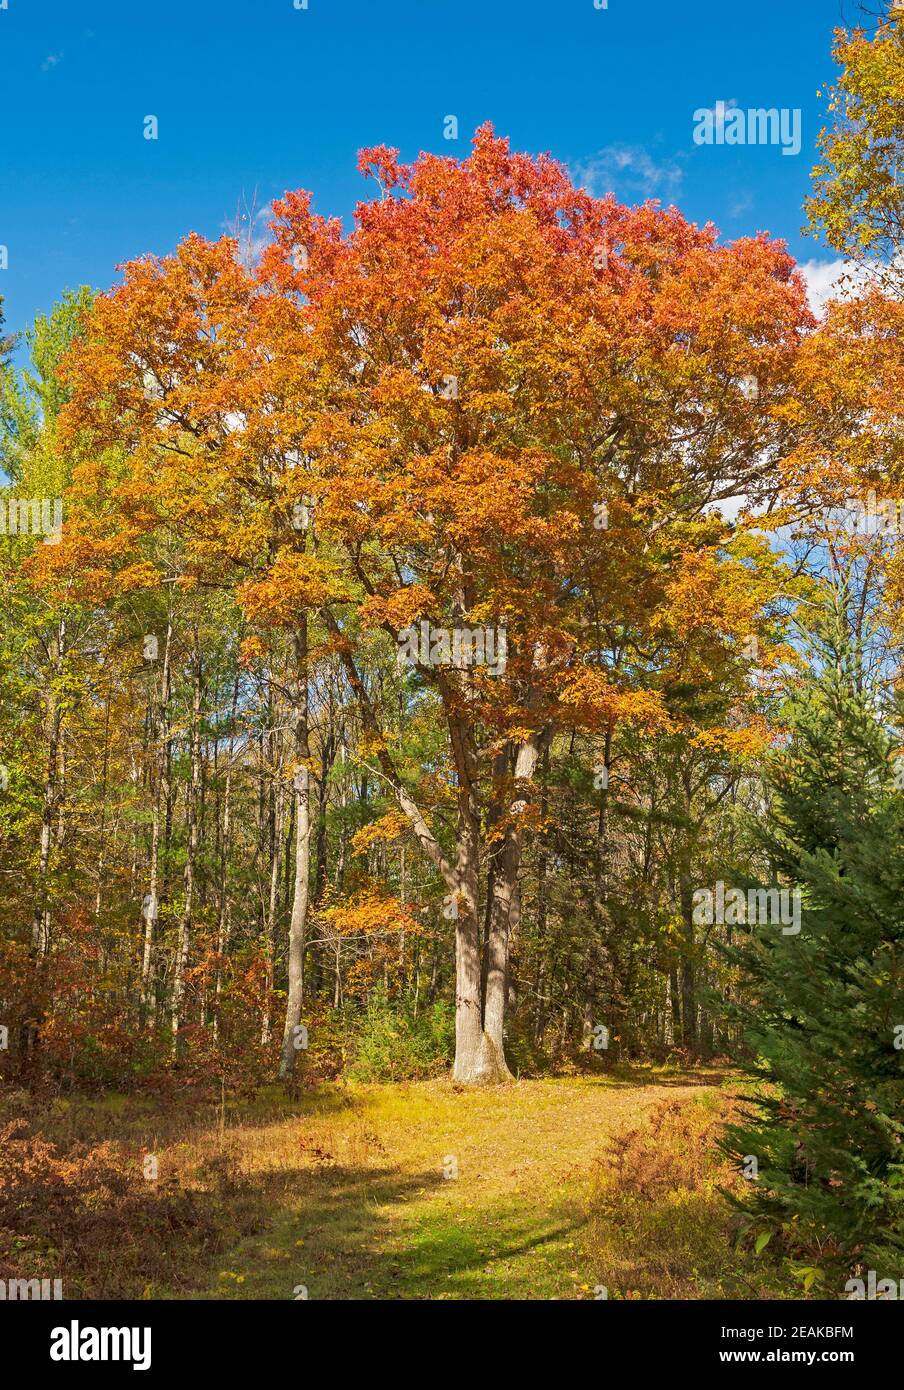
(272, 906)
(40, 927)
(302, 798)
(688, 974)
(479, 1059)
(102, 846)
(159, 754)
(224, 922)
(185, 925)
(675, 1004)
(506, 904)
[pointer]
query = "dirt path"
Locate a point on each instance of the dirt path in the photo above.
(419, 1191)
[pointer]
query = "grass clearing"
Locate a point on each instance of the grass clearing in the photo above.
(545, 1189)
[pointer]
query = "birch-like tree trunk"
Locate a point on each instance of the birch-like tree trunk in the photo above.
(270, 926)
(40, 927)
(224, 922)
(191, 813)
(159, 787)
(302, 800)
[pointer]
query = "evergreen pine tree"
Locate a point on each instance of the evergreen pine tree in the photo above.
(824, 1016)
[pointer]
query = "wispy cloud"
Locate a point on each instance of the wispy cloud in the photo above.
(51, 61)
(739, 203)
(831, 280)
(628, 169)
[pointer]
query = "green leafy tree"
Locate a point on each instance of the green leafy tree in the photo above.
(31, 400)
(858, 198)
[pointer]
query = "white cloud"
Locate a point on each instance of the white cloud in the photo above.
(839, 279)
(631, 168)
(739, 203)
(51, 61)
(830, 280)
(729, 507)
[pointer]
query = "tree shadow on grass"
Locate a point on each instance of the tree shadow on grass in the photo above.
(342, 1233)
(626, 1077)
(512, 1258)
(149, 1122)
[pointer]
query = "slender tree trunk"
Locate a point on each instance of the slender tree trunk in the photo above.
(302, 799)
(688, 972)
(501, 770)
(167, 781)
(402, 906)
(327, 758)
(40, 927)
(272, 909)
(224, 922)
(102, 847)
(160, 784)
(185, 926)
(675, 1005)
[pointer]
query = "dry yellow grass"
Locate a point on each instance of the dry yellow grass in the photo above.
(424, 1191)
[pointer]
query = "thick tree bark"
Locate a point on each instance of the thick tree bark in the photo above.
(542, 904)
(475, 1060)
(505, 915)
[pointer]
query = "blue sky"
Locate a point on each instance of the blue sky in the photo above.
(253, 97)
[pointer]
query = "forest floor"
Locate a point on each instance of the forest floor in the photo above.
(545, 1189)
